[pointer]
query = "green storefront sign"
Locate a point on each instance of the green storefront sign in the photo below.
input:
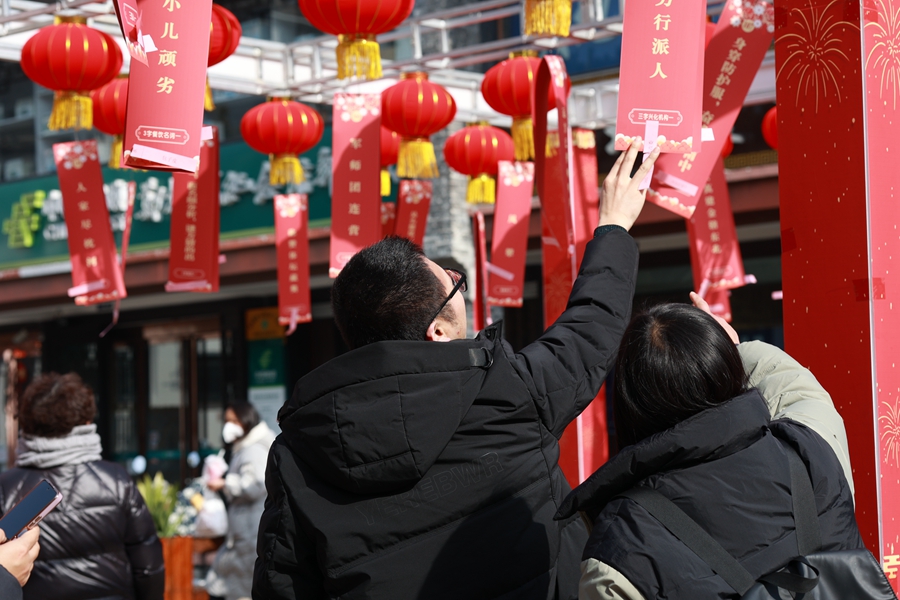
(34, 231)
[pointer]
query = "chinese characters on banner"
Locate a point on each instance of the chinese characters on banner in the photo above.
(660, 80)
(356, 167)
(481, 316)
(96, 274)
(292, 248)
(413, 202)
(194, 231)
(164, 117)
(509, 243)
(742, 37)
(715, 253)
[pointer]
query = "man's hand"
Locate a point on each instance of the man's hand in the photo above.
(622, 201)
(704, 306)
(17, 556)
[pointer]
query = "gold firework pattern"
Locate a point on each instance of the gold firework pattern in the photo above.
(885, 49)
(813, 50)
(890, 433)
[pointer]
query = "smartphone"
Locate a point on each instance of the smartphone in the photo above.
(29, 511)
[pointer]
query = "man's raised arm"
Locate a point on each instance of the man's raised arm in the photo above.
(566, 366)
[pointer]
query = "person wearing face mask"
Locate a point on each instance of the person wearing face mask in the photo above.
(243, 486)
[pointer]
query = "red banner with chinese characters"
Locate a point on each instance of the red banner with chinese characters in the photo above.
(194, 230)
(292, 247)
(164, 116)
(585, 187)
(715, 253)
(96, 273)
(388, 218)
(660, 89)
(481, 316)
(742, 37)
(509, 242)
(356, 169)
(413, 202)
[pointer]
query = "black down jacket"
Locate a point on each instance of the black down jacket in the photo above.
(429, 470)
(99, 543)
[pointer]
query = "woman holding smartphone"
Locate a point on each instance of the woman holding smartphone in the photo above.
(99, 542)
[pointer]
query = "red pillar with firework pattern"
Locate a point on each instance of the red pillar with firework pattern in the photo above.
(838, 89)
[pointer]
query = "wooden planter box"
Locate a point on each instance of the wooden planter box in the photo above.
(178, 555)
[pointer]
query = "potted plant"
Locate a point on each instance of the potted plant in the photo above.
(162, 502)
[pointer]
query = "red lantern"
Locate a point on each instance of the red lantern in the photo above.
(356, 23)
(475, 151)
(728, 148)
(390, 148)
(770, 128)
(508, 88)
(109, 114)
(283, 129)
(72, 59)
(224, 37)
(548, 17)
(416, 109)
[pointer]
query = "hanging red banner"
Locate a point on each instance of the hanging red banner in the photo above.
(742, 37)
(413, 202)
(96, 273)
(585, 187)
(388, 218)
(715, 253)
(660, 90)
(164, 117)
(356, 169)
(481, 316)
(292, 247)
(720, 303)
(509, 242)
(194, 230)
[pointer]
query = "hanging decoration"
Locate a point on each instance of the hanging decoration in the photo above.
(71, 59)
(224, 37)
(416, 109)
(548, 17)
(770, 128)
(390, 148)
(728, 148)
(110, 102)
(283, 129)
(356, 23)
(475, 151)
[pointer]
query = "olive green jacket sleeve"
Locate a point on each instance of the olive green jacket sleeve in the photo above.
(792, 392)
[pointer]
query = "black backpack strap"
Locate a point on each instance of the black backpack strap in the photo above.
(806, 515)
(692, 535)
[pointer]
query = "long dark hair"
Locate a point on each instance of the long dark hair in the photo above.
(246, 413)
(674, 361)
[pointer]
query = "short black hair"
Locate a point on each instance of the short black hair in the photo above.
(246, 413)
(674, 361)
(54, 404)
(386, 292)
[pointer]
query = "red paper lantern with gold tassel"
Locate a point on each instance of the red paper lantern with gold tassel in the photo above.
(71, 59)
(416, 109)
(475, 151)
(508, 88)
(110, 102)
(224, 38)
(390, 148)
(356, 23)
(548, 17)
(283, 129)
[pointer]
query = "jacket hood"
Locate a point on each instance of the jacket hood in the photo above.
(709, 435)
(375, 419)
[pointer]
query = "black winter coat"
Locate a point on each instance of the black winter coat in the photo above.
(429, 470)
(727, 469)
(9, 586)
(99, 542)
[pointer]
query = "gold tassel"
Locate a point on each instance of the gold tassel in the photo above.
(115, 153)
(208, 104)
(385, 182)
(359, 56)
(416, 159)
(523, 138)
(285, 168)
(482, 189)
(71, 110)
(548, 17)
(552, 144)
(583, 139)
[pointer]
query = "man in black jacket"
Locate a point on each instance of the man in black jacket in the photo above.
(409, 469)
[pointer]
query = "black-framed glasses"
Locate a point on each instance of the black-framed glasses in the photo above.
(459, 285)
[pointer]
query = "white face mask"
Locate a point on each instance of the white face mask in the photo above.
(232, 432)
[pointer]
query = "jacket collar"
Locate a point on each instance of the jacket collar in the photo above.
(709, 435)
